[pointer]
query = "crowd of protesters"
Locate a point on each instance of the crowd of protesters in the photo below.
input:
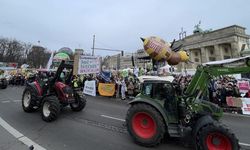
(17, 79)
(127, 87)
(218, 89)
(222, 88)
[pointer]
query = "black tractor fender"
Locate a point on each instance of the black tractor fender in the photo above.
(33, 87)
(156, 106)
(36, 98)
(204, 120)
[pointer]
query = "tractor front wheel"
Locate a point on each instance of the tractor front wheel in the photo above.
(216, 136)
(27, 100)
(79, 103)
(145, 125)
(50, 108)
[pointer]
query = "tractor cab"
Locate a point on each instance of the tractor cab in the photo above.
(160, 92)
(163, 92)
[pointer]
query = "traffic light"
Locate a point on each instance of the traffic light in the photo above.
(133, 61)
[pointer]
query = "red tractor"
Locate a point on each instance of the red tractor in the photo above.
(53, 93)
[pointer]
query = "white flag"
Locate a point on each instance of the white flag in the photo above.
(50, 61)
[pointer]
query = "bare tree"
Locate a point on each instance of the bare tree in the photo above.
(38, 56)
(3, 48)
(12, 50)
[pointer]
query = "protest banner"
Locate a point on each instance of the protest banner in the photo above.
(234, 102)
(106, 89)
(246, 106)
(90, 88)
(86, 64)
(243, 86)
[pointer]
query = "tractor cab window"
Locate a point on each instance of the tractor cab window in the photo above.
(163, 91)
(147, 89)
(159, 91)
(62, 77)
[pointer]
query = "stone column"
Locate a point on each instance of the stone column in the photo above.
(218, 52)
(235, 50)
(204, 57)
(190, 55)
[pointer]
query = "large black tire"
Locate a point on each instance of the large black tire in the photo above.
(80, 103)
(216, 136)
(4, 84)
(145, 125)
(4, 87)
(28, 100)
(50, 108)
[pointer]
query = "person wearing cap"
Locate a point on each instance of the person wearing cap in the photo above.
(247, 94)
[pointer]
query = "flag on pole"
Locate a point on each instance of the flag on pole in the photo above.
(50, 61)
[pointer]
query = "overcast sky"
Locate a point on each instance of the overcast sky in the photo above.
(117, 24)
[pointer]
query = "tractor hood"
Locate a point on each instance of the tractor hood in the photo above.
(212, 109)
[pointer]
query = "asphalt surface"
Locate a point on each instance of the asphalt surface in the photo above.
(100, 126)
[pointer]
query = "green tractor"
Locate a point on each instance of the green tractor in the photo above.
(159, 111)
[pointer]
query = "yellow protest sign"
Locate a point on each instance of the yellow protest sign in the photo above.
(106, 89)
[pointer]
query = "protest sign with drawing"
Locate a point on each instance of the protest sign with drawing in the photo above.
(86, 64)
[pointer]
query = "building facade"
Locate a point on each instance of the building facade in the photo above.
(126, 61)
(202, 46)
(118, 62)
(79, 51)
(225, 43)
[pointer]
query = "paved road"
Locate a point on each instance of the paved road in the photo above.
(99, 126)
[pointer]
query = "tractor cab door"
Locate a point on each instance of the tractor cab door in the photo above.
(165, 92)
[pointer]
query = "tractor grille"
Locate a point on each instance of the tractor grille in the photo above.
(67, 90)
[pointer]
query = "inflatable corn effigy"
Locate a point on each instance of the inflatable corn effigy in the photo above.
(160, 50)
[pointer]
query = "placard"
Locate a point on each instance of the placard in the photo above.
(106, 89)
(246, 106)
(90, 88)
(88, 64)
(243, 86)
(234, 102)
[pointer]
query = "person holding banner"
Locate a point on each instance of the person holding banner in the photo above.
(130, 88)
(117, 86)
(123, 88)
(247, 95)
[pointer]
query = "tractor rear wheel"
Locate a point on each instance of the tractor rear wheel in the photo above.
(50, 108)
(27, 100)
(216, 136)
(145, 125)
(4, 86)
(79, 104)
